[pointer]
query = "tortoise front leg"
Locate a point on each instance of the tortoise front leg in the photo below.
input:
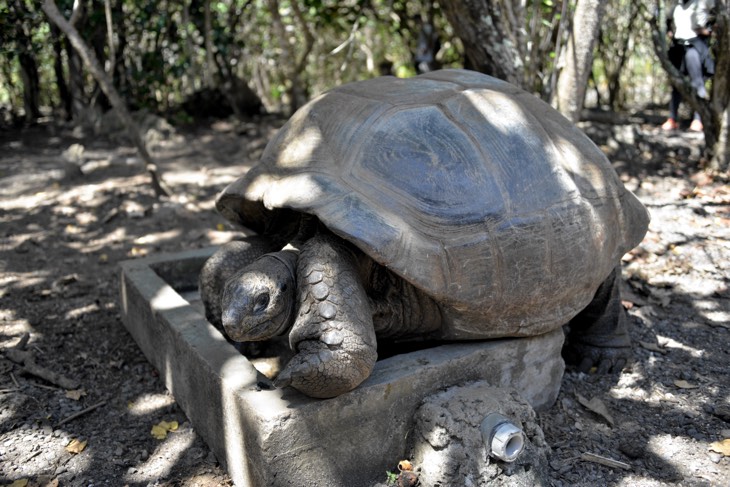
(599, 334)
(333, 335)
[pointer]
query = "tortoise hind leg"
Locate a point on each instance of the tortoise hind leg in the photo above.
(598, 336)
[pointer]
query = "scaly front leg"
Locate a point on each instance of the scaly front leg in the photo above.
(333, 334)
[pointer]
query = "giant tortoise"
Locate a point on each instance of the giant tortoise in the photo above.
(449, 206)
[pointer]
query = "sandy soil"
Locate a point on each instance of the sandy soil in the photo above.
(78, 401)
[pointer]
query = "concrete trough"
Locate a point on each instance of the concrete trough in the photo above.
(272, 437)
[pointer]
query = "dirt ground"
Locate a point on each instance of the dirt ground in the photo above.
(79, 404)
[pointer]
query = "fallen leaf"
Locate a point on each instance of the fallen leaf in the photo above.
(405, 465)
(19, 483)
(160, 430)
(138, 252)
(721, 447)
(220, 227)
(76, 446)
(597, 406)
(76, 394)
(683, 384)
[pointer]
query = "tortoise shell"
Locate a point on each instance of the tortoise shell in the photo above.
(469, 188)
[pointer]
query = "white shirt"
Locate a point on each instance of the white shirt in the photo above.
(688, 16)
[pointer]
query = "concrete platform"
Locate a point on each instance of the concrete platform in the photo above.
(270, 437)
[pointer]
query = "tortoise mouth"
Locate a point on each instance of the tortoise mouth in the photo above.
(246, 331)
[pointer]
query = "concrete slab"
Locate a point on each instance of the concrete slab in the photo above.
(280, 437)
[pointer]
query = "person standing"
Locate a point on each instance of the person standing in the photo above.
(690, 53)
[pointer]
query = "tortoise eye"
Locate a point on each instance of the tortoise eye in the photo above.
(262, 301)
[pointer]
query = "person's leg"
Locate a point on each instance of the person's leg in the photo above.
(671, 123)
(676, 56)
(693, 65)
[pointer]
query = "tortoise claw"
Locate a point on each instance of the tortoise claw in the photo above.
(322, 372)
(606, 360)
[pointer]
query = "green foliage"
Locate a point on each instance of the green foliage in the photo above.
(391, 478)
(625, 69)
(161, 55)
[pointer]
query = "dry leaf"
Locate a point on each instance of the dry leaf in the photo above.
(220, 227)
(159, 431)
(597, 406)
(683, 384)
(76, 446)
(138, 252)
(19, 483)
(721, 447)
(405, 465)
(75, 394)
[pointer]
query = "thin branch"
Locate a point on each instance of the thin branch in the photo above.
(81, 413)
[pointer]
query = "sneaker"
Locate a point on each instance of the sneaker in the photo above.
(670, 124)
(696, 126)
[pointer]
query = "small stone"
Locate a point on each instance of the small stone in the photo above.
(714, 456)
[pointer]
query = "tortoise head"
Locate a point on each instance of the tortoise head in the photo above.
(258, 301)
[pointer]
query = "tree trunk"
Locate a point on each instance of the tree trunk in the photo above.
(76, 83)
(720, 103)
(92, 64)
(488, 37)
(578, 58)
(28, 65)
(63, 92)
(208, 34)
(31, 85)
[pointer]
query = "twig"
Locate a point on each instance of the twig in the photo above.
(15, 381)
(26, 359)
(43, 386)
(609, 462)
(47, 374)
(6, 391)
(81, 413)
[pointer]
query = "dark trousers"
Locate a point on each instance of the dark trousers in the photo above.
(688, 60)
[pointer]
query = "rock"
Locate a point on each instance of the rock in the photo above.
(448, 447)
